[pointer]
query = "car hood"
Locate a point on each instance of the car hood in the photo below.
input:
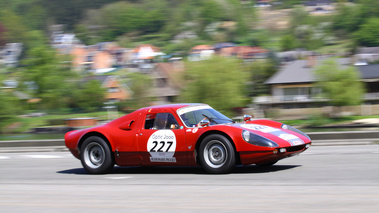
(282, 136)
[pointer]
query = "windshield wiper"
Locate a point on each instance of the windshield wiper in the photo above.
(210, 118)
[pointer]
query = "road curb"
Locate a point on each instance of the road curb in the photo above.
(32, 143)
(346, 135)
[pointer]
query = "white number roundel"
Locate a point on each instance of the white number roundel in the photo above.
(161, 146)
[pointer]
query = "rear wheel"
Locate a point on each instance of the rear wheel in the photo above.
(216, 154)
(96, 156)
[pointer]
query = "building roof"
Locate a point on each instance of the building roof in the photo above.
(368, 50)
(223, 45)
(300, 71)
(199, 48)
(370, 71)
(144, 46)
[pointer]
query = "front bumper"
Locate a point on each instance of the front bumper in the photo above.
(258, 157)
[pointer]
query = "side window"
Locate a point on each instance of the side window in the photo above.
(149, 122)
(161, 121)
(189, 119)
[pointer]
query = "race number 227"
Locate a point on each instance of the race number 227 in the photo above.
(162, 146)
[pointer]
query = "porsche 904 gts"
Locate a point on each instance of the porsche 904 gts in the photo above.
(184, 135)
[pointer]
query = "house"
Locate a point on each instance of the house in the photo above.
(262, 3)
(166, 81)
(294, 82)
(79, 53)
(293, 87)
(366, 55)
(10, 53)
(116, 91)
(319, 6)
(370, 75)
(243, 52)
(219, 46)
(201, 52)
(100, 58)
(145, 52)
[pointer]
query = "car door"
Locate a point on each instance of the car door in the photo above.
(161, 140)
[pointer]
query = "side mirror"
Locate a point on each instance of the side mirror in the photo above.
(128, 125)
(247, 118)
(205, 122)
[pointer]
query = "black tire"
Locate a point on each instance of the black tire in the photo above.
(216, 154)
(96, 156)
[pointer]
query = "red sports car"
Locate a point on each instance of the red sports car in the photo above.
(184, 135)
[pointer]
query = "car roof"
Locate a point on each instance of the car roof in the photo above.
(174, 106)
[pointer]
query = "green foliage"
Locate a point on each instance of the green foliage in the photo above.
(288, 42)
(9, 107)
(15, 29)
(219, 82)
(309, 32)
(123, 17)
(83, 34)
(260, 71)
(369, 8)
(348, 18)
(90, 96)
(368, 33)
(211, 11)
(141, 93)
(299, 17)
(46, 76)
(341, 86)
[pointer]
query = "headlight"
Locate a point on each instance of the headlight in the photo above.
(257, 139)
(246, 135)
(285, 126)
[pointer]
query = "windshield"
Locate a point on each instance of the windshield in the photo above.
(192, 115)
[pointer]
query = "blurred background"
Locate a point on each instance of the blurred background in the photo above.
(77, 63)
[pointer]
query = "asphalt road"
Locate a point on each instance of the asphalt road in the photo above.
(323, 179)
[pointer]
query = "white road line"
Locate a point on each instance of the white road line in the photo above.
(42, 156)
(3, 157)
(117, 178)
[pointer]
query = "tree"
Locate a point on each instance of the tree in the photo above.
(46, 75)
(298, 17)
(348, 18)
(260, 71)
(211, 11)
(219, 82)
(14, 28)
(341, 86)
(137, 83)
(90, 96)
(368, 33)
(288, 42)
(9, 107)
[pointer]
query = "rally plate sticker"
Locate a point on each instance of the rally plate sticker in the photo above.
(161, 146)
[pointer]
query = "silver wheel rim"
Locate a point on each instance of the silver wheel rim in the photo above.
(94, 155)
(215, 154)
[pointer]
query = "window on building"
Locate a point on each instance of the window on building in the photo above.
(113, 89)
(161, 82)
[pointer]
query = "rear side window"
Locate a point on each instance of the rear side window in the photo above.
(161, 121)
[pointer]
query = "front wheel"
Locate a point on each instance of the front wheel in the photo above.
(216, 154)
(96, 156)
